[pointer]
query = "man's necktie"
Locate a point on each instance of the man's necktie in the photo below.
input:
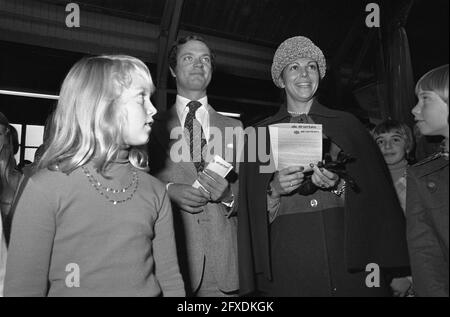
(196, 136)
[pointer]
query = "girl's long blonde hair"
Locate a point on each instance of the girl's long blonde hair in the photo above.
(87, 123)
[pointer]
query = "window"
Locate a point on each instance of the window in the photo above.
(30, 138)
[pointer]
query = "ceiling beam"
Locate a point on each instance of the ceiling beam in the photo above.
(168, 33)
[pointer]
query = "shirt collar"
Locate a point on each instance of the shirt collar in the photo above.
(181, 104)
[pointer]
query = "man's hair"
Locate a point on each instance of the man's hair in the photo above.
(183, 40)
(88, 121)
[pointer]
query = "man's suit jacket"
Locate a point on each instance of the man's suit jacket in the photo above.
(427, 226)
(212, 232)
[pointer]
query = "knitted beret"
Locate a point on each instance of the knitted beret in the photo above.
(293, 49)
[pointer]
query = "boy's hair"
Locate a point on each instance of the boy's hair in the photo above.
(435, 80)
(87, 122)
(390, 126)
(183, 40)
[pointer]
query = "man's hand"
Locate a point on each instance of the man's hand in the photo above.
(217, 186)
(188, 198)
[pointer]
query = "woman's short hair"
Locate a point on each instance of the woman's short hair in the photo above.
(394, 126)
(87, 122)
(435, 80)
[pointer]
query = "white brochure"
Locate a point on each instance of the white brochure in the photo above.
(295, 144)
(219, 166)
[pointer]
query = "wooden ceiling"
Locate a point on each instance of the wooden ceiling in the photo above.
(244, 32)
(261, 22)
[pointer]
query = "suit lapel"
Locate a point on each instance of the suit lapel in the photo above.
(217, 124)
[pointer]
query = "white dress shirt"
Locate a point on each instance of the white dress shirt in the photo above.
(202, 114)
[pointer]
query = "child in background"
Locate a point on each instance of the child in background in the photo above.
(427, 192)
(91, 221)
(396, 144)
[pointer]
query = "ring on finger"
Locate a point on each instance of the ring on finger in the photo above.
(292, 185)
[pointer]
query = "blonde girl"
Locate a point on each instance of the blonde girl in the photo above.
(91, 221)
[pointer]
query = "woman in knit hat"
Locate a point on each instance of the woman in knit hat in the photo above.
(317, 230)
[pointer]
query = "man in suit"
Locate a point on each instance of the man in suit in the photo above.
(205, 221)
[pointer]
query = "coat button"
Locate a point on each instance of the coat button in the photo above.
(314, 203)
(431, 186)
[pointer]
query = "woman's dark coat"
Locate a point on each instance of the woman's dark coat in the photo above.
(374, 221)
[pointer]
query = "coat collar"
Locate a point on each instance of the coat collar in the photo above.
(431, 164)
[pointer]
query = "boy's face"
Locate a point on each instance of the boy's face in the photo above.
(393, 147)
(431, 114)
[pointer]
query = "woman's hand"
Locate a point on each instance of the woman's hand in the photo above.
(286, 181)
(323, 178)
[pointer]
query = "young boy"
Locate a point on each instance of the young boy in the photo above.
(396, 143)
(427, 192)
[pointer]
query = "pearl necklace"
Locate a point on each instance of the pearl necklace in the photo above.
(297, 113)
(104, 190)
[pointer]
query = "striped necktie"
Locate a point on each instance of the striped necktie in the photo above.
(195, 132)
